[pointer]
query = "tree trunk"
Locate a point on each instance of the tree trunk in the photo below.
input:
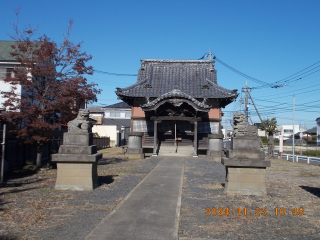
(270, 146)
(39, 155)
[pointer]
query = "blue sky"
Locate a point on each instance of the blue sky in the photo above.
(267, 40)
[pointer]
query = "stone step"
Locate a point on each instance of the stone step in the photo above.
(182, 151)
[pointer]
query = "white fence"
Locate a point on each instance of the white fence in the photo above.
(299, 158)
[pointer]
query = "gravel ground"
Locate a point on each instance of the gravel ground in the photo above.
(30, 208)
(289, 186)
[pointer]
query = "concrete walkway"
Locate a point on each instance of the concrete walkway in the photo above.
(151, 210)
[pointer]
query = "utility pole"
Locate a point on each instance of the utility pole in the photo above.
(246, 108)
(226, 134)
(255, 107)
(3, 151)
(258, 115)
(293, 130)
(247, 103)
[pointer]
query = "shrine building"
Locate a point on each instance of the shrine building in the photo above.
(178, 103)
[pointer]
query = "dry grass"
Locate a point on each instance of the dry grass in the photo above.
(109, 152)
(289, 186)
(29, 203)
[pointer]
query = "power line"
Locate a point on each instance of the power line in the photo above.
(242, 74)
(294, 91)
(116, 74)
(301, 71)
(278, 84)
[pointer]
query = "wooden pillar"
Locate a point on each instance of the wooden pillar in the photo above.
(195, 139)
(155, 132)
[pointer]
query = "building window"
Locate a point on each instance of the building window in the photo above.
(114, 114)
(2, 73)
(6, 71)
(10, 72)
(288, 131)
(128, 114)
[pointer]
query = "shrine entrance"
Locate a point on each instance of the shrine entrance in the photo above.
(175, 133)
(175, 124)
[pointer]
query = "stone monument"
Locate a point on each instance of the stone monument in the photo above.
(214, 151)
(245, 163)
(135, 150)
(77, 159)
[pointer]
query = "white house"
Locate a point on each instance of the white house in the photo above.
(261, 133)
(7, 64)
(119, 110)
(116, 121)
(287, 131)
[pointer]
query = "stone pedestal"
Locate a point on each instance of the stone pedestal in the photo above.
(77, 176)
(77, 162)
(135, 150)
(245, 163)
(245, 176)
(246, 181)
(214, 151)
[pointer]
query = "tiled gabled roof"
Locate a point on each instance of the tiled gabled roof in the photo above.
(312, 130)
(118, 105)
(5, 50)
(196, 78)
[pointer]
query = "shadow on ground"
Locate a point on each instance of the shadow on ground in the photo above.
(19, 173)
(315, 191)
(6, 237)
(108, 179)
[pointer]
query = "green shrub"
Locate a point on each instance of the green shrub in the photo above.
(264, 140)
(311, 153)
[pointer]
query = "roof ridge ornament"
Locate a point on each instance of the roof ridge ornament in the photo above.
(209, 55)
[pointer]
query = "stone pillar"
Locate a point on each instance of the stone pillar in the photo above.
(77, 162)
(135, 150)
(77, 159)
(195, 139)
(214, 147)
(245, 162)
(155, 133)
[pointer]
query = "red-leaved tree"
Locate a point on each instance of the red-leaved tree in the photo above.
(52, 83)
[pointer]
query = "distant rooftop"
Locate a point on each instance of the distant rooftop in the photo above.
(116, 121)
(312, 130)
(118, 105)
(98, 109)
(5, 50)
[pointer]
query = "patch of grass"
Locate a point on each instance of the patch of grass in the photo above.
(312, 153)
